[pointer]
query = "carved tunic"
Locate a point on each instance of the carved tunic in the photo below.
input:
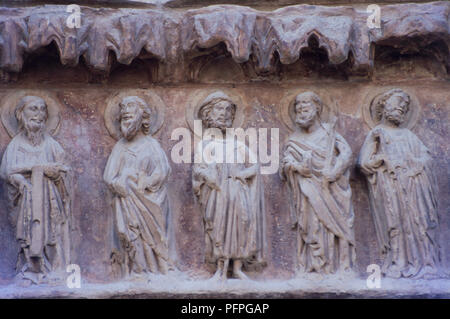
(141, 217)
(233, 214)
(41, 214)
(402, 200)
(321, 211)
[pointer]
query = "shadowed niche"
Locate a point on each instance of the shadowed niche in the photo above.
(212, 65)
(314, 62)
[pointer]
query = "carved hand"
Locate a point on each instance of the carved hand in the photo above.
(330, 175)
(304, 168)
(415, 167)
(119, 189)
(149, 183)
(244, 174)
(21, 182)
(52, 171)
(288, 162)
(211, 182)
(241, 177)
(376, 161)
(291, 164)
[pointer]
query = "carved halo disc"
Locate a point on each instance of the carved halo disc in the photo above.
(12, 100)
(111, 116)
(287, 111)
(371, 100)
(197, 97)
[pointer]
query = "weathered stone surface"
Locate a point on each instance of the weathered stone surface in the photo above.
(230, 195)
(174, 37)
(83, 135)
(315, 166)
(39, 181)
(264, 57)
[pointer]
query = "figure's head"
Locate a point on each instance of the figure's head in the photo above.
(134, 116)
(393, 106)
(217, 111)
(308, 107)
(31, 114)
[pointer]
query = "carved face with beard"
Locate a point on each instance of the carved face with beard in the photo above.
(307, 109)
(31, 114)
(134, 116)
(218, 111)
(396, 106)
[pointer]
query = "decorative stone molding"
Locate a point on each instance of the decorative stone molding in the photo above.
(175, 37)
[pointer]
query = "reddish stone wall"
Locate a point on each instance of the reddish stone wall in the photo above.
(82, 96)
(86, 139)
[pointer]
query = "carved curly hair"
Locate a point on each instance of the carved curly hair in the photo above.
(314, 97)
(380, 104)
(146, 111)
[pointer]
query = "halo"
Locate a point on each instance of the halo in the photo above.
(197, 97)
(12, 100)
(112, 110)
(287, 111)
(369, 111)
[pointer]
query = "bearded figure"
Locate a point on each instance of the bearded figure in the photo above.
(315, 164)
(230, 195)
(39, 187)
(401, 184)
(136, 173)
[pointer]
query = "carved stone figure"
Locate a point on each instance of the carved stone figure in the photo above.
(35, 168)
(230, 196)
(137, 173)
(315, 164)
(401, 187)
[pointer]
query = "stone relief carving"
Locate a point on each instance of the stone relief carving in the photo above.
(401, 185)
(136, 173)
(315, 164)
(182, 48)
(38, 178)
(230, 196)
(168, 35)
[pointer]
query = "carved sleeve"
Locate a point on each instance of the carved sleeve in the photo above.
(344, 157)
(158, 168)
(368, 150)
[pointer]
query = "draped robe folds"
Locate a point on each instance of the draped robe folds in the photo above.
(233, 215)
(322, 211)
(41, 214)
(142, 217)
(403, 203)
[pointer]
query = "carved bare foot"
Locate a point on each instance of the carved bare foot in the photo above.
(394, 271)
(25, 283)
(217, 275)
(226, 262)
(240, 275)
(237, 270)
(428, 272)
(138, 277)
(164, 266)
(221, 273)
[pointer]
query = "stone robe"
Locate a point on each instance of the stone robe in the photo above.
(142, 217)
(42, 214)
(402, 201)
(322, 211)
(233, 215)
